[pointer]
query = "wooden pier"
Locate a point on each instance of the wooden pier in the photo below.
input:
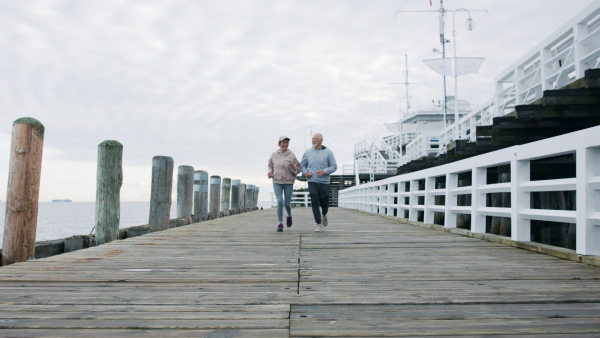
(236, 277)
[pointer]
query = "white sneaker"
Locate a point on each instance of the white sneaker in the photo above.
(319, 228)
(324, 219)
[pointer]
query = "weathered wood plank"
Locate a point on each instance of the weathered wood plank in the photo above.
(103, 333)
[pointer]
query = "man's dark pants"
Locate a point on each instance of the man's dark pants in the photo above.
(319, 197)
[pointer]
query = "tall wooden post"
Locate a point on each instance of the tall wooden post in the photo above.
(235, 196)
(22, 195)
(225, 196)
(200, 195)
(249, 196)
(185, 191)
(160, 194)
(242, 199)
(109, 178)
(255, 199)
(215, 196)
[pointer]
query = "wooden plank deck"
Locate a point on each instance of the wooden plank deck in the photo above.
(236, 277)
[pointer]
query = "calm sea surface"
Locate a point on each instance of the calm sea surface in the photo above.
(65, 219)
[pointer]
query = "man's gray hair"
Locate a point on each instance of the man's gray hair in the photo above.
(319, 135)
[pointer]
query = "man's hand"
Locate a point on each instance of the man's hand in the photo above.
(320, 172)
(308, 174)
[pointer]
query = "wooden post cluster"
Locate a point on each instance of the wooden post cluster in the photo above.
(185, 191)
(109, 179)
(200, 195)
(22, 196)
(160, 195)
(225, 196)
(215, 196)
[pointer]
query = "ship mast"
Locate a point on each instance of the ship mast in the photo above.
(442, 19)
(405, 83)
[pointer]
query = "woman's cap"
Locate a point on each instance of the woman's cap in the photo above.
(281, 138)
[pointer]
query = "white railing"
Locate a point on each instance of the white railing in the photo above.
(392, 154)
(395, 195)
(554, 63)
(348, 169)
(424, 145)
(299, 198)
(370, 160)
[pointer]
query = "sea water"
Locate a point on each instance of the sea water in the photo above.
(58, 220)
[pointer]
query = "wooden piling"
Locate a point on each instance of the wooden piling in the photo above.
(200, 195)
(185, 191)
(160, 195)
(225, 196)
(235, 196)
(22, 195)
(249, 196)
(242, 198)
(255, 198)
(214, 197)
(109, 179)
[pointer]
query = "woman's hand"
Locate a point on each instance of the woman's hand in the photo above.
(270, 175)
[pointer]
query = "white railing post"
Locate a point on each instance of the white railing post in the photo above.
(498, 100)
(545, 54)
(579, 33)
(588, 199)
(451, 200)
(429, 200)
(520, 200)
(519, 86)
(413, 200)
(478, 200)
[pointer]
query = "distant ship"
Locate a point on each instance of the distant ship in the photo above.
(67, 200)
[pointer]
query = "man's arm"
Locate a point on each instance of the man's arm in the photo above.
(332, 164)
(304, 163)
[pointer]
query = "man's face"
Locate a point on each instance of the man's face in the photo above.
(316, 141)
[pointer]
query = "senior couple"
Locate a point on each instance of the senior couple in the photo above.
(317, 164)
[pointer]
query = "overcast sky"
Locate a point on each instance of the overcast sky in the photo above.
(213, 84)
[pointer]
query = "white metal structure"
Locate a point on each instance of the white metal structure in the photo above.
(388, 196)
(557, 61)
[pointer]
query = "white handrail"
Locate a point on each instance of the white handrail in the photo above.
(399, 194)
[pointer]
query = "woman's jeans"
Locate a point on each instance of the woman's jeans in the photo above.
(280, 190)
